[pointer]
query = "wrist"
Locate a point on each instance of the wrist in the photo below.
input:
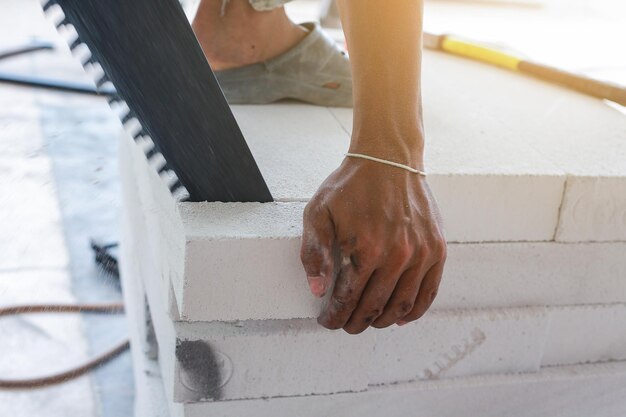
(405, 148)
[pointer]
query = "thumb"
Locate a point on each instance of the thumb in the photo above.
(316, 252)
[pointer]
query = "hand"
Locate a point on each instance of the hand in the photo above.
(376, 230)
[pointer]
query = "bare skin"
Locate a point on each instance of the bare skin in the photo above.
(243, 36)
(372, 229)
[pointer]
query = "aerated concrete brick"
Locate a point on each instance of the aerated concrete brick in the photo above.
(460, 343)
(563, 391)
(447, 344)
(532, 274)
(578, 391)
(476, 275)
(510, 177)
(255, 359)
(586, 333)
(217, 269)
(267, 358)
(594, 209)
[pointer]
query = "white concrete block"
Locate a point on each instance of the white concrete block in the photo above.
(594, 209)
(581, 334)
(149, 395)
(219, 258)
(527, 274)
(500, 170)
(469, 351)
(273, 358)
(498, 208)
(267, 358)
(295, 145)
(256, 275)
(489, 165)
(222, 269)
(476, 275)
(576, 391)
(141, 262)
(250, 359)
(460, 343)
(150, 400)
(578, 134)
(564, 391)
(154, 223)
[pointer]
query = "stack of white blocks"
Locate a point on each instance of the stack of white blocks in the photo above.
(531, 314)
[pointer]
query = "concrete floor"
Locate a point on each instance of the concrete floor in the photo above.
(59, 188)
(58, 182)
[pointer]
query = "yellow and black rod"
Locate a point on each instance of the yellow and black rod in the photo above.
(470, 49)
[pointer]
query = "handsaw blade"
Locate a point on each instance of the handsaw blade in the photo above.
(148, 51)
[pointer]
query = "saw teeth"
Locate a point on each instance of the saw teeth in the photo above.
(45, 5)
(75, 43)
(102, 80)
(90, 60)
(140, 133)
(145, 143)
(163, 168)
(150, 153)
(180, 194)
(178, 190)
(67, 30)
(54, 12)
(157, 162)
(160, 165)
(70, 33)
(55, 15)
(127, 117)
(113, 98)
(175, 186)
(123, 109)
(132, 127)
(63, 22)
(96, 70)
(80, 51)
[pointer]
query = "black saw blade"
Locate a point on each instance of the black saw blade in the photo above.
(148, 51)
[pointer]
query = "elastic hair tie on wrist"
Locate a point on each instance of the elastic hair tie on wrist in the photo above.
(384, 161)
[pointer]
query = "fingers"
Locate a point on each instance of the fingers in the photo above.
(403, 298)
(350, 284)
(426, 295)
(316, 251)
(378, 290)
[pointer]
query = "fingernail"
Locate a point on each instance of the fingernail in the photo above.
(316, 284)
(401, 322)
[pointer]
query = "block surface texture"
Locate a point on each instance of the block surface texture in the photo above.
(562, 391)
(519, 182)
(534, 286)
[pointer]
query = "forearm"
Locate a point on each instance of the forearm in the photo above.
(384, 40)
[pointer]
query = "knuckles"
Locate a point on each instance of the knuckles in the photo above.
(440, 248)
(343, 302)
(372, 315)
(403, 308)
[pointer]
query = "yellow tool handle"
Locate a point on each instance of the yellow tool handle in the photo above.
(469, 49)
(479, 52)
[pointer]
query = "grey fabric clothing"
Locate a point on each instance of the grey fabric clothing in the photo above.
(316, 71)
(259, 5)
